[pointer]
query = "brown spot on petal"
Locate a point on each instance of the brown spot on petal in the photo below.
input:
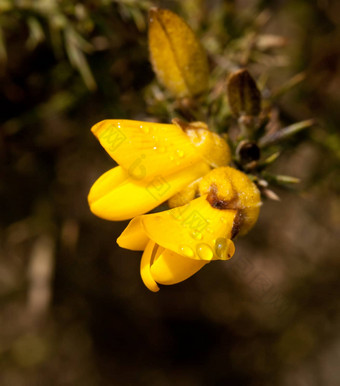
(216, 202)
(238, 222)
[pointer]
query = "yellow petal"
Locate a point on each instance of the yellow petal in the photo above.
(213, 148)
(132, 198)
(247, 191)
(228, 188)
(112, 178)
(144, 149)
(178, 58)
(193, 230)
(134, 236)
(219, 184)
(171, 268)
(184, 196)
(248, 219)
(145, 269)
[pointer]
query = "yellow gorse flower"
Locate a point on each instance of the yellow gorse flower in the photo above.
(186, 165)
(179, 242)
(155, 161)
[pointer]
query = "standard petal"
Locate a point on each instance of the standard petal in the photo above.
(194, 230)
(132, 198)
(144, 149)
(145, 270)
(171, 268)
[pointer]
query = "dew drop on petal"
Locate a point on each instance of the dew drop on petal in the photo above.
(222, 248)
(204, 251)
(145, 129)
(186, 251)
(180, 153)
(196, 235)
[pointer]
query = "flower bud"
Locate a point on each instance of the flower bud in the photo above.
(177, 57)
(243, 94)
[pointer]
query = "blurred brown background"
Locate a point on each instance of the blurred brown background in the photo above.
(74, 310)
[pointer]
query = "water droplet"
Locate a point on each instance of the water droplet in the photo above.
(144, 129)
(223, 219)
(223, 248)
(209, 230)
(180, 153)
(204, 251)
(196, 235)
(186, 251)
(172, 158)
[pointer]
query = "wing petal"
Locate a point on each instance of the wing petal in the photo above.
(130, 198)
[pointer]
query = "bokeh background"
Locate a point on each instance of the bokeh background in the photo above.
(73, 309)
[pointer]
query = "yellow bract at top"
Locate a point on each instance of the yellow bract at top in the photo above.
(178, 58)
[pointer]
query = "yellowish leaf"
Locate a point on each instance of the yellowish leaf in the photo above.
(178, 58)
